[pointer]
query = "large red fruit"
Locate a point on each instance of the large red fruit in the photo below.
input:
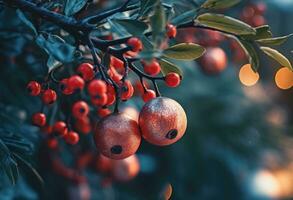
(117, 136)
(162, 121)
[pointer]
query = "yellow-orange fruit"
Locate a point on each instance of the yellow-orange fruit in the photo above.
(162, 121)
(214, 61)
(117, 136)
(126, 169)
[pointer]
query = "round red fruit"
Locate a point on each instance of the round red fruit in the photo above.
(39, 119)
(49, 96)
(99, 100)
(64, 87)
(171, 31)
(80, 109)
(86, 70)
(34, 88)
(75, 82)
(148, 95)
(135, 44)
(60, 128)
(152, 68)
(172, 79)
(72, 138)
(127, 90)
(97, 87)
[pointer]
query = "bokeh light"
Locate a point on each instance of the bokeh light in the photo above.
(284, 78)
(247, 76)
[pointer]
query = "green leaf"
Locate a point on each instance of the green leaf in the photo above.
(149, 54)
(57, 47)
(167, 67)
(262, 32)
(73, 6)
(274, 41)
(184, 51)
(225, 23)
(30, 167)
(146, 6)
(52, 63)
(134, 27)
(219, 4)
(186, 16)
(277, 56)
(158, 24)
(251, 53)
(26, 21)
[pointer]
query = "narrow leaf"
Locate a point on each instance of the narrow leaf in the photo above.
(274, 41)
(219, 4)
(134, 27)
(158, 24)
(225, 23)
(251, 53)
(73, 6)
(277, 56)
(184, 51)
(167, 67)
(184, 17)
(262, 32)
(26, 21)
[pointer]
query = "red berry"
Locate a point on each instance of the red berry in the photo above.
(97, 87)
(171, 31)
(172, 79)
(80, 109)
(111, 99)
(34, 88)
(148, 95)
(47, 129)
(99, 100)
(83, 125)
(152, 68)
(52, 143)
(103, 112)
(135, 44)
(86, 70)
(72, 138)
(60, 128)
(64, 87)
(49, 96)
(75, 82)
(117, 63)
(127, 90)
(39, 119)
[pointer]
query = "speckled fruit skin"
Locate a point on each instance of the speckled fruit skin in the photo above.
(117, 136)
(162, 121)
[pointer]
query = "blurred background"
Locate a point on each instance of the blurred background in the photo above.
(238, 144)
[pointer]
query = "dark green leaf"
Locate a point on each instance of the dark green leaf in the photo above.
(30, 167)
(261, 33)
(26, 21)
(225, 23)
(146, 6)
(167, 67)
(274, 41)
(184, 17)
(251, 53)
(134, 27)
(158, 24)
(73, 6)
(149, 54)
(52, 63)
(184, 51)
(277, 56)
(219, 4)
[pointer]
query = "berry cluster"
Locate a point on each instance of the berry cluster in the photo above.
(92, 94)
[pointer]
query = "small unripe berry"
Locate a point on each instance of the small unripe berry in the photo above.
(162, 121)
(49, 96)
(71, 138)
(86, 70)
(65, 89)
(171, 31)
(126, 169)
(135, 44)
(97, 87)
(34, 88)
(80, 109)
(117, 136)
(152, 68)
(172, 79)
(148, 95)
(75, 82)
(39, 119)
(60, 128)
